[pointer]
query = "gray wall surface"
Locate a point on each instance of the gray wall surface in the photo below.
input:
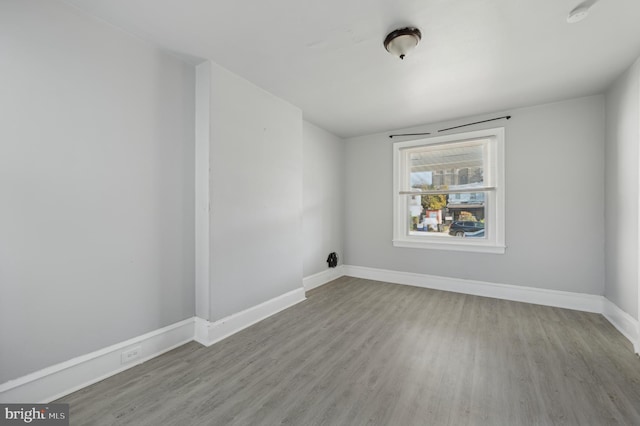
(323, 197)
(255, 194)
(96, 183)
(554, 202)
(621, 201)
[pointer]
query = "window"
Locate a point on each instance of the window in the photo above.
(448, 192)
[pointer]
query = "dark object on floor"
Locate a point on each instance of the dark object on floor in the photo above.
(332, 260)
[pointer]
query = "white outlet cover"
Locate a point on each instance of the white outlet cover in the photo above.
(130, 354)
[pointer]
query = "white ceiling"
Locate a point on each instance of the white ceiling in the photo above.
(326, 56)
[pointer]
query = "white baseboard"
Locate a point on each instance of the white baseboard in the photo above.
(321, 278)
(61, 379)
(538, 296)
(54, 382)
(207, 333)
(625, 323)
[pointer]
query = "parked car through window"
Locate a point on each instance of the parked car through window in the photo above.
(459, 228)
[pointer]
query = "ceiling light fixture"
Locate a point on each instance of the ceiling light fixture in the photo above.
(578, 14)
(402, 41)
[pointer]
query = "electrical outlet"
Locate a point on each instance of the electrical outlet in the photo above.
(130, 354)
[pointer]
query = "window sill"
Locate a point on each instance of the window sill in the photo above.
(452, 246)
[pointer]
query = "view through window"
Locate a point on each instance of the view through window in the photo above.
(445, 177)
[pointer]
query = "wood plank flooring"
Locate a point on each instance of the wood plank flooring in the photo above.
(360, 352)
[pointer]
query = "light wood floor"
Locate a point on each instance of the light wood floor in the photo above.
(362, 352)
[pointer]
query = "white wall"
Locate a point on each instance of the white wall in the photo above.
(255, 194)
(323, 197)
(96, 183)
(554, 202)
(202, 190)
(622, 162)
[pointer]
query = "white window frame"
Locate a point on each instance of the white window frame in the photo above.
(494, 241)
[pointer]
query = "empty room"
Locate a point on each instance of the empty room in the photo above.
(415, 212)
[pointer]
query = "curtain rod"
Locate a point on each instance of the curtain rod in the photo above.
(451, 128)
(409, 134)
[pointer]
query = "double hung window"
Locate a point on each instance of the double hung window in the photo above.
(448, 192)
